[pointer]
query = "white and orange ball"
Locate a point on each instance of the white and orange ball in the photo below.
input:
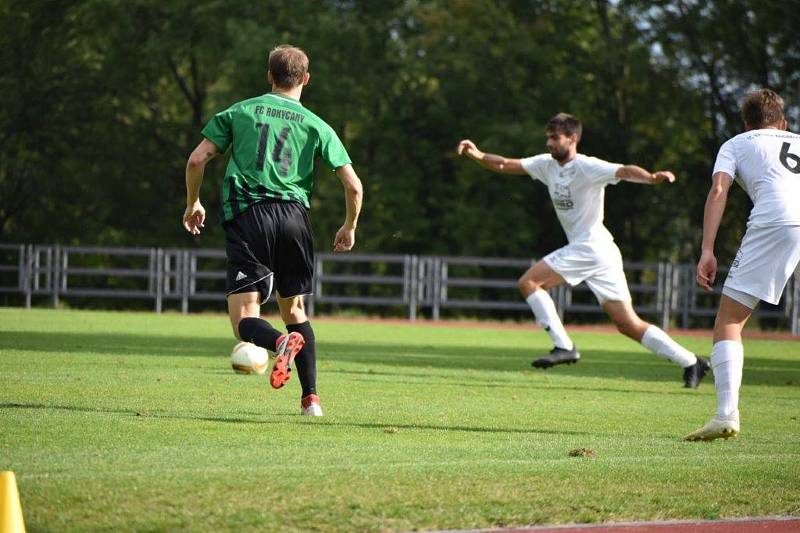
(247, 358)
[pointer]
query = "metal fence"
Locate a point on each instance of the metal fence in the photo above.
(664, 292)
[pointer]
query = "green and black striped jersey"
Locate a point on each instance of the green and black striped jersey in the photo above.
(275, 141)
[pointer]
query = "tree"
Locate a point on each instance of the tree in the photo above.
(104, 100)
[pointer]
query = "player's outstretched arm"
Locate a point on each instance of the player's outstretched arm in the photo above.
(353, 195)
(493, 162)
(712, 216)
(195, 215)
(636, 174)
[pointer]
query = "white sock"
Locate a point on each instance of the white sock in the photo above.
(656, 340)
(545, 312)
(727, 360)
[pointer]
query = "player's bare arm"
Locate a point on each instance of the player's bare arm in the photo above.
(353, 193)
(493, 162)
(637, 174)
(195, 215)
(712, 216)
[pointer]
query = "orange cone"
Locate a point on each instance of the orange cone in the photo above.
(10, 509)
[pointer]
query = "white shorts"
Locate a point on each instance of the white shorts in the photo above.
(599, 265)
(764, 263)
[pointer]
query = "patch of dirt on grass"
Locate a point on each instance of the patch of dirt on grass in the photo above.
(582, 452)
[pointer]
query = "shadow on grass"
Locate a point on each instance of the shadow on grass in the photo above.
(290, 419)
(469, 429)
(115, 344)
(598, 363)
(434, 380)
(129, 412)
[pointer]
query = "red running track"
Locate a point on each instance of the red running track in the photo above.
(755, 525)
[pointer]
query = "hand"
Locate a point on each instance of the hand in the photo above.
(345, 239)
(707, 270)
(663, 175)
(468, 148)
(194, 218)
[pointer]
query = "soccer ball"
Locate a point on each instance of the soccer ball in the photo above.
(247, 358)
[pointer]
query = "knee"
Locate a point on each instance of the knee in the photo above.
(527, 286)
(723, 322)
(295, 316)
(294, 312)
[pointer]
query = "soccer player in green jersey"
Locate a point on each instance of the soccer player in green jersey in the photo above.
(265, 197)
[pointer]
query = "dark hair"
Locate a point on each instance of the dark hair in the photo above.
(762, 108)
(566, 124)
(288, 65)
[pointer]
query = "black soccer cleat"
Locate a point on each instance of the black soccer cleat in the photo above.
(557, 356)
(693, 375)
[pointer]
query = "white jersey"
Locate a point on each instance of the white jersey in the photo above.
(577, 190)
(766, 163)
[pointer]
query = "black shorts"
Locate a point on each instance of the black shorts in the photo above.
(270, 244)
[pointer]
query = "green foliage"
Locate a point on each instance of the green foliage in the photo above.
(104, 100)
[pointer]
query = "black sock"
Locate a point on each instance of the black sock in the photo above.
(259, 332)
(306, 360)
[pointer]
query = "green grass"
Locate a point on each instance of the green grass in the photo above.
(123, 421)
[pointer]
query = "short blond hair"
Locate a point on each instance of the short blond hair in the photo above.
(288, 65)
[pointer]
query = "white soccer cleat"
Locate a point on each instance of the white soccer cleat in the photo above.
(717, 428)
(311, 406)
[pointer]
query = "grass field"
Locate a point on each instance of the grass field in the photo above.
(127, 421)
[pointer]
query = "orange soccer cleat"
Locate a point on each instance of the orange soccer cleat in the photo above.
(286, 349)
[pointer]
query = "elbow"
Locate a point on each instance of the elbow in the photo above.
(717, 192)
(355, 188)
(196, 162)
(623, 173)
(717, 196)
(500, 166)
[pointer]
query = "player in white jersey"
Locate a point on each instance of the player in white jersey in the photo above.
(765, 159)
(577, 188)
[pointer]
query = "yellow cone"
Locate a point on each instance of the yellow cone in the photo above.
(10, 509)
